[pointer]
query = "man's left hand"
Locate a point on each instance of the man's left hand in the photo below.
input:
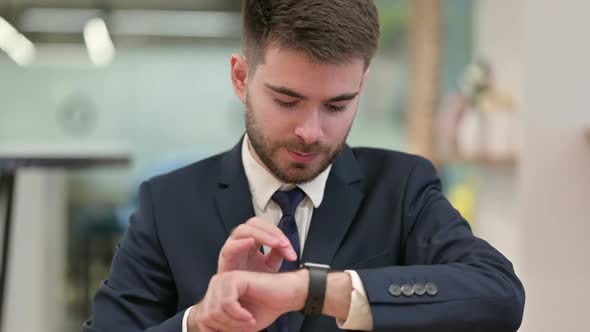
(265, 296)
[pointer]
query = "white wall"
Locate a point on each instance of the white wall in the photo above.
(159, 102)
(555, 168)
(540, 49)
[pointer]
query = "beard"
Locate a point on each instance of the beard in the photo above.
(289, 171)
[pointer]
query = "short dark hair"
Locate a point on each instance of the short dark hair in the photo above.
(328, 31)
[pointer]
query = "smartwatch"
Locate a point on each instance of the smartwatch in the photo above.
(318, 275)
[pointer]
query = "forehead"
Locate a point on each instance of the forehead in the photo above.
(297, 71)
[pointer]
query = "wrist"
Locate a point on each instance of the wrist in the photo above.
(192, 324)
(301, 282)
(338, 295)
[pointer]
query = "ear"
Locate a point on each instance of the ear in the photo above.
(364, 77)
(239, 76)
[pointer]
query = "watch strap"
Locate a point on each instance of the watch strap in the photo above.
(317, 290)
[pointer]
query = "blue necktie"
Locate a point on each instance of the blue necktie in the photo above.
(288, 202)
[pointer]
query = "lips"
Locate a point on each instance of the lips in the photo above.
(302, 157)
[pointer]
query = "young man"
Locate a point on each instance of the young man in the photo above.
(217, 245)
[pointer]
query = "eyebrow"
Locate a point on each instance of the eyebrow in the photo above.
(288, 92)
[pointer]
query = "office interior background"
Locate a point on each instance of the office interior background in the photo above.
(493, 91)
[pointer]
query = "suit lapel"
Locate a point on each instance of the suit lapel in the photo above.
(233, 198)
(332, 219)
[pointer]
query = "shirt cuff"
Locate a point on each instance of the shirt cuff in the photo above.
(359, 315)
(185, 319)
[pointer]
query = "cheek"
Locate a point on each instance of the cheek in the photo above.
(263, 111)
(273, 120)
(336, 126)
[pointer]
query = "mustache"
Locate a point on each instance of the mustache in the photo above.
(298, 146)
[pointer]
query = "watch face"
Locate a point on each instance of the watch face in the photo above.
(319, 266)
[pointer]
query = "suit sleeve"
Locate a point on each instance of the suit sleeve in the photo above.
(140, 294)
(471, 286)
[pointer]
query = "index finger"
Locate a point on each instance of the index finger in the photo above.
(262, 237)
(269, 228)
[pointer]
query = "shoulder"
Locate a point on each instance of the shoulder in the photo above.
(383, 161)
(200, 174)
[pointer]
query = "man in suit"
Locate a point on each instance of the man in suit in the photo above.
(217, 245)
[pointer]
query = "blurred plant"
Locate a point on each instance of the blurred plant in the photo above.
(394, 20)
(463, 197)
(475, 81)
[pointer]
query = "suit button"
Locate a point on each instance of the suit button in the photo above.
(407, 290)
(431, 289)
(395, 290)
(419, 289)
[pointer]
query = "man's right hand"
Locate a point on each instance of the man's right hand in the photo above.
(241, 250)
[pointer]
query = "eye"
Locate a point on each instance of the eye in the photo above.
(285, 104)
(335, 108)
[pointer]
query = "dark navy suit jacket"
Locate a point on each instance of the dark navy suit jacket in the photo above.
(383, 215)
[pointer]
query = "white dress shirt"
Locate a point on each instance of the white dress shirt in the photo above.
(263, 185)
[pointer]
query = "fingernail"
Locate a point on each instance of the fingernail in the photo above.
(285, 242)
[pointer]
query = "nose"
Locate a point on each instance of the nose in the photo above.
(310, 130)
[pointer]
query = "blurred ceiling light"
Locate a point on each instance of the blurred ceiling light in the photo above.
(18, 47)
(165, 23)
(98, 42)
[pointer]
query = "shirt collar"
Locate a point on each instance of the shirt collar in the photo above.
(263, 183)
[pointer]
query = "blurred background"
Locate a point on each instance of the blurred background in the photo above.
(96, 96)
